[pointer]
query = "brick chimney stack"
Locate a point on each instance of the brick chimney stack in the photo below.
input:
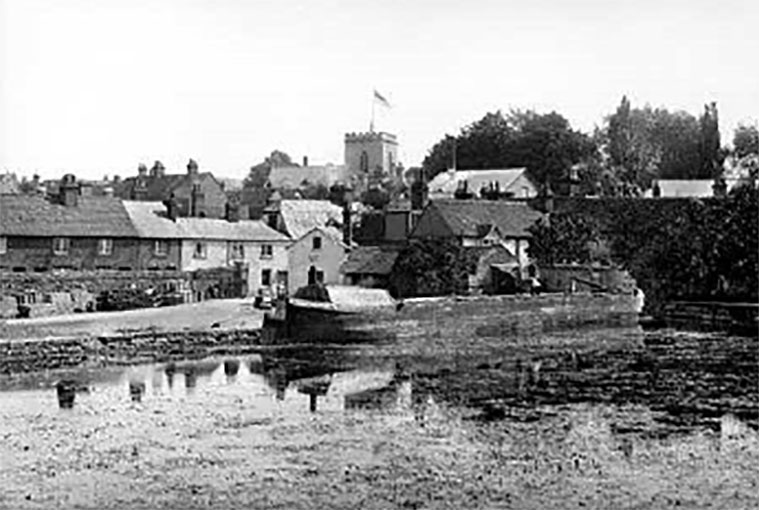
(69, 191)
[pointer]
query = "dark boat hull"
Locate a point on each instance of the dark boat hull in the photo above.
(452, 317)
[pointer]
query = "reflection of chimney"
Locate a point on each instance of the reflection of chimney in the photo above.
(305, 160)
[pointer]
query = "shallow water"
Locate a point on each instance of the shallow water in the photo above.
(593, 419)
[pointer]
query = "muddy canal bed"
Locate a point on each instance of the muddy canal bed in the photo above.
(603, 419)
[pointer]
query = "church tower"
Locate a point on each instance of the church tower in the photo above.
(371, 158)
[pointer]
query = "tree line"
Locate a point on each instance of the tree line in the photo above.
(622, 157)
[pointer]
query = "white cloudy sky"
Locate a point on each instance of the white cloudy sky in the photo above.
(97, 86)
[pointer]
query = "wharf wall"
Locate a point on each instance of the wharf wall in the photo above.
(518, 315)
(31, 355)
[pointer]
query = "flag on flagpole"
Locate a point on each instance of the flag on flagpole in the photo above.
(380, 98)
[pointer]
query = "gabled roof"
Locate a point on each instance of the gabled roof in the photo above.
(150, 220)
(370, 260)
(293, 177)
(464, 218)
(446, 183)
(223, 230)
(160, 187)
(32, 216)
(331, 232)
(301, 216)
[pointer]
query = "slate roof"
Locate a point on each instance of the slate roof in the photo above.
(446, 183)
(223, 230)
(466, 217)
(150, 220)
(158, 187)
(301, 216)
(700, 188)
(293, 177)
(370, 260)
(33, 216)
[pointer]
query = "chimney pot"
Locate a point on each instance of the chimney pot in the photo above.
(305, 160)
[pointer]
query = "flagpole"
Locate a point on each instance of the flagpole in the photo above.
(371, 124)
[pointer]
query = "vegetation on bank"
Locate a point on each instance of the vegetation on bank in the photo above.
(674, 248)
(432, 268)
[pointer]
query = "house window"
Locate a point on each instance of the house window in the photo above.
(105, 246)
(320, 276)
(267, 251)
(60, 245)
(3, 245)
(317, 243)
(265, 277)
(237, 251)
(200, 251)
(160, 248)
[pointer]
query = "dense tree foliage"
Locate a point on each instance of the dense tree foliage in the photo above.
(677, 248)
(746, 141)
(432, 268)
(565, 238)
(258, 175)
(544, 143)
(642, 144)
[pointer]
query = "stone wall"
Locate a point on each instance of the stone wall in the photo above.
(19, 356)
(518, 315)
(36, 289)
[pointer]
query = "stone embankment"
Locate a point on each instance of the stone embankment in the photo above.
(19, 356)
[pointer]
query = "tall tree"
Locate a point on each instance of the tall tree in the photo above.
(543, 143)
(711, 158)
(642, 144)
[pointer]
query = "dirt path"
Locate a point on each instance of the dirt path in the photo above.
(221, 313)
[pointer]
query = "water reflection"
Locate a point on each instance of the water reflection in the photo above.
(677, 379)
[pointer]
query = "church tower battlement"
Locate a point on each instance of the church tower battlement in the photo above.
(371, 157)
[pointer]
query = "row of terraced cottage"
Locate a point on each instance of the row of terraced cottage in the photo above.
(298, 241)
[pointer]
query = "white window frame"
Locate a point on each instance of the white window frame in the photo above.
(267, 251)
(61, 245)
(105, 246)
(3, 245)
(200, 250)
(236, 251)
(160, 248)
